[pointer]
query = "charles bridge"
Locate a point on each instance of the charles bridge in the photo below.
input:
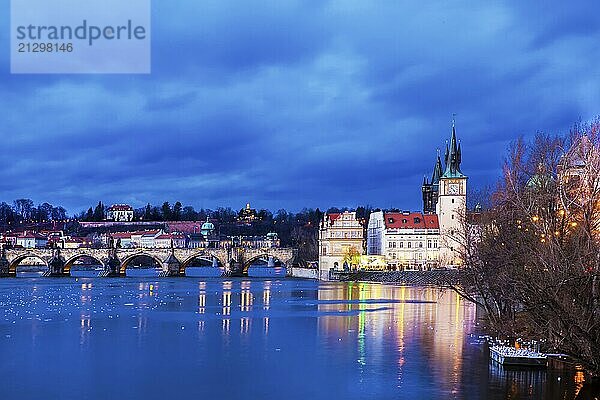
(173, 261)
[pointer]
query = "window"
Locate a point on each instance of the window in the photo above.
(452, 216)
(420, 245)
(452, 201)
(401, 245)
(404, 221)
(409, 245)
(429, 244)
(417, 220)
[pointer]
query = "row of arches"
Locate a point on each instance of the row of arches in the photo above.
(141, 260)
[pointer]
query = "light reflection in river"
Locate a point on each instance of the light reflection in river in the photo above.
(248, 338)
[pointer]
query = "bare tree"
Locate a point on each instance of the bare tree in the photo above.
(532, 259)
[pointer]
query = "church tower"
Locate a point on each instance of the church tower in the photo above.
(452, 204)
(431, 190)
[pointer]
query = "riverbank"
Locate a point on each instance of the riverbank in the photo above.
(416, 278)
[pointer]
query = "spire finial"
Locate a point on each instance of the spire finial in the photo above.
(453, 119)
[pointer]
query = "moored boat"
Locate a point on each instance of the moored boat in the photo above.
(510, 356)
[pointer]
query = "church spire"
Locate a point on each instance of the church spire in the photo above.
(437, 171)
(446, 154)
(453, 156)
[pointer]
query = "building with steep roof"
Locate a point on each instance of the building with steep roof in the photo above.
(407, 240)
(451, 207)
(414, 240)
(430, 190)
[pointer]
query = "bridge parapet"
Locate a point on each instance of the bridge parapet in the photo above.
(115, 261)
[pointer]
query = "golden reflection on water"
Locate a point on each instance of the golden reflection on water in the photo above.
(201, 297)
(439, 319)
(246, 297)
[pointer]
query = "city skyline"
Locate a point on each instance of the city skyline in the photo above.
(290, 105)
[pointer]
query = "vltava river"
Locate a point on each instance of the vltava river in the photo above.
(184, 338)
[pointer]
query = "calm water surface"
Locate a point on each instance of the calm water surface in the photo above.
(214, 338)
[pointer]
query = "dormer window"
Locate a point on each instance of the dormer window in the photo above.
(391, 220)
(404, 221)
(417, 220)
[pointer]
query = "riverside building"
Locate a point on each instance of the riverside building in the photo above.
(404, 240)
(341, 242)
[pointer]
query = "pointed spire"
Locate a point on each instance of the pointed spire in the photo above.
(437, 171)
(453, 148)
(453, 155)
(446, 155)
(425, 183)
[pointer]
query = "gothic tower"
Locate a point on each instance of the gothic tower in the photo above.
(452, 204)
(431, 190)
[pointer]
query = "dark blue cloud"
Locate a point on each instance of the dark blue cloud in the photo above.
(299, 103)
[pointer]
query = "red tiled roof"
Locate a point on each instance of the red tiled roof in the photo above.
(121, 235)
(333, 217)
(413, 220)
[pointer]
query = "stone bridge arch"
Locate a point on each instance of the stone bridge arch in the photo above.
(127, 259)
(285, 256)
(15, 261)
(202, 255)
(70, 261)
(248, 263)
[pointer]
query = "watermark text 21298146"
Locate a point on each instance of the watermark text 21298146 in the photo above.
(34, 47)
(74, 36)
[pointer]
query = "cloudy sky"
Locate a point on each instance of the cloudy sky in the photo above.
(300, 103)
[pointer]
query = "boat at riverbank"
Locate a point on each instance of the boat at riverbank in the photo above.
(510, 356)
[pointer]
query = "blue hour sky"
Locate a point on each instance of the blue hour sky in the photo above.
(300, 103)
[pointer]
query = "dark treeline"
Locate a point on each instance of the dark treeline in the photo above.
(25, 211)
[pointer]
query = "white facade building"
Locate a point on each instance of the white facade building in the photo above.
(406, 240)
(120, 213)
(341, 242)
(31, 240)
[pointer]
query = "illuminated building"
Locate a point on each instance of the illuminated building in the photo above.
(341, 242)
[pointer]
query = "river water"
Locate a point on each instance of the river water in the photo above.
(248, 338)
